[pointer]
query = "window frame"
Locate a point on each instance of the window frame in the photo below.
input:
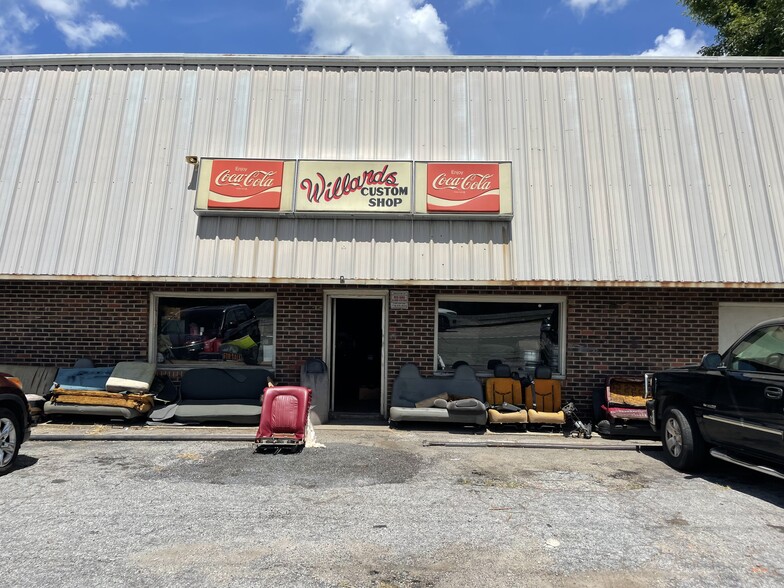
(153, 326)
(560, 301)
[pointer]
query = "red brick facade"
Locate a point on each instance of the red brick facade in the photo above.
(609, 331)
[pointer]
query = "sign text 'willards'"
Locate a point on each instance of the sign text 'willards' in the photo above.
(246, 183)
(354, 186)
(463, 187)
(368, 183)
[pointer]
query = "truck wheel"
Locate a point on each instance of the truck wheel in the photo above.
(684, 448)
(10, 440)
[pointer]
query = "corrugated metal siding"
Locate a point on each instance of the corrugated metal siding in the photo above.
(622, 171)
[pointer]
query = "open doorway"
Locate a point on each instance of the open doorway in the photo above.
(357, 354)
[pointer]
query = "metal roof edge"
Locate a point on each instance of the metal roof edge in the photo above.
(395, 283)
(385, 61)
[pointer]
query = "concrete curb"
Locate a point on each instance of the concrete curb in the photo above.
(140, 437)
(544, 445)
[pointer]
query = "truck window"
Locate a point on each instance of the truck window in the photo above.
(762, 350)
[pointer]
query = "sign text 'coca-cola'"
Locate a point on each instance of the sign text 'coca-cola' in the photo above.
(463, 187)
(246, 184)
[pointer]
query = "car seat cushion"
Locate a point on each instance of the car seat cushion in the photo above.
(546, 418)
(466, 405)
(496, 416)
(431, 401)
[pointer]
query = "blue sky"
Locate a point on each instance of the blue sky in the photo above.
(351, 27)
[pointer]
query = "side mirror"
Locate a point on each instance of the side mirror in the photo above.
(711, 361)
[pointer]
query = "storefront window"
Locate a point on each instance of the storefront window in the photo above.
(224, 330)
(520, 333)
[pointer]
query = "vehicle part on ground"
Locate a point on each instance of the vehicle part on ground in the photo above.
(577, 427)
(684, 448)
(284, 416)
(619, 408)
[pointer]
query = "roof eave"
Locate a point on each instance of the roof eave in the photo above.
(76, 59)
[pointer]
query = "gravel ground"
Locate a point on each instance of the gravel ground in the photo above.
(380, 508)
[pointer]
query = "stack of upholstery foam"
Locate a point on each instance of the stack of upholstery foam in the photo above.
(122, 391)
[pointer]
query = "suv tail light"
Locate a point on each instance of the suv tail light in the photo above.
(15, 381)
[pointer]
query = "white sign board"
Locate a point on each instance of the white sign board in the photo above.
(398, 299)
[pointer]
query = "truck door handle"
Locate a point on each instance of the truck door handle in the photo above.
(773, 392)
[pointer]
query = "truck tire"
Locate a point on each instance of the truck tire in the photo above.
(684, 447)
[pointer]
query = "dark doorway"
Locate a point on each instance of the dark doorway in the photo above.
(357, 344)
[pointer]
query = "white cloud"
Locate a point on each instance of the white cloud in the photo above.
(89, 33)
(675, 43)
(469, 4)
(583, 6)
(14, 24)
(58, 9)
(81, 28)
(126, 3)
(373, 27)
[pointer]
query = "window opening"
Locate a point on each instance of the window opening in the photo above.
(521, 334)
(223, 330)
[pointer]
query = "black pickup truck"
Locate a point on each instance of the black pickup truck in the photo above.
(729, 406)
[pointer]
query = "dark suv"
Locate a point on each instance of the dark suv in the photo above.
(15, 421)
(730, 406)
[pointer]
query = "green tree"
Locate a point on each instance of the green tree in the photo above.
(743, 27)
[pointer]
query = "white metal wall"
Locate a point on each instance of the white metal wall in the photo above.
(624, 170)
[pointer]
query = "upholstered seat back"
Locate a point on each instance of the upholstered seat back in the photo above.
(503, 388)
(410, 387)
(544, 395)
(543, 398)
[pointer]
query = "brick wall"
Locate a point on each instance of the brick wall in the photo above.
(55, 323)
(610, 331)
(300, 324)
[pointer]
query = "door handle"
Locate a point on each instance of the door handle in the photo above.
(773, 392)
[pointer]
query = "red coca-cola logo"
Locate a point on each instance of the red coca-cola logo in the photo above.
(463, 187)
(246, 183)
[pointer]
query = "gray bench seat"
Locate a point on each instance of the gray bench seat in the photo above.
(457, 399)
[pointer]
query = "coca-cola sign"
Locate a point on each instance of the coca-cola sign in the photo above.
(463, 187)
(354, 186)
(246, 184)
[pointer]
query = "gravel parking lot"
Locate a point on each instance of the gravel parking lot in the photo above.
(377, 507)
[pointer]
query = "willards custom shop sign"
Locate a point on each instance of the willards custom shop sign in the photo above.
(354, 186)
(265, 187)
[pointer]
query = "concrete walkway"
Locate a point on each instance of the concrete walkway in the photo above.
(430, 437)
